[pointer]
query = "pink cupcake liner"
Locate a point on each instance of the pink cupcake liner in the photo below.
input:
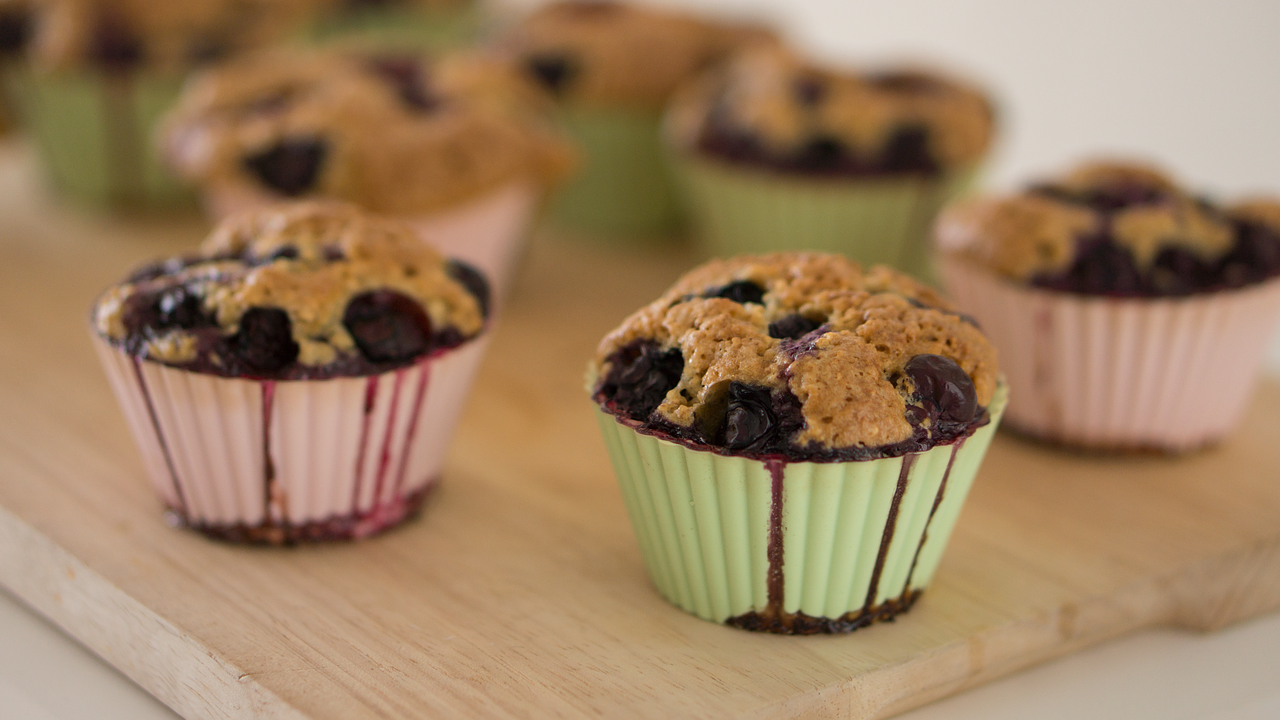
(1121, 373)
(487, 232)
(280, 461)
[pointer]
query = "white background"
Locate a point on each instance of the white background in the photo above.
(1192, 85)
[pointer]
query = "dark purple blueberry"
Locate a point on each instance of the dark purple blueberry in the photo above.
(406, 76)
(15, 31)
(821, 153)
(473, 280)
(388, 326)
(943, 383)
(907, 150)
(1101, 268)
(741, 291)
(1177, 271)
(333, 253)
(792, 327)
(289, 167)
(809, 91)
(265, 340)
(1255, 256)
(749, 419)
(554, 71)
(114, 45)
(640, 377)
(181, 308)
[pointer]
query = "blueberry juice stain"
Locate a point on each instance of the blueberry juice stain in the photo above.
(774, 618)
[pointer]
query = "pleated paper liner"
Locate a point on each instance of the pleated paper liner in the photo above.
(94, 133)
(738, 209)
(283, 461)
(798, 547)
(1167, 374)
(625, 190)
(488, 232)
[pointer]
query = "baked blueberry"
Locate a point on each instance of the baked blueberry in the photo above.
(15, 31)
(740, 291)
(944, 386)
(387, 326)
(554, 72)
(265, 340)
(291, 167)
(792, 327)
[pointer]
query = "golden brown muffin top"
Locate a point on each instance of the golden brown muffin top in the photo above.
(814, 327)
(403, 135)
(172, 36)
(613, 54)
(310, 263)
(769, 105)
(1121, 219)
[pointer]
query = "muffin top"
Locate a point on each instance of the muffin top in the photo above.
(803, 355)
(121, 35)
(303, 291)
(1120, 229)
(393, 134)
(613, 54)
(768, 107)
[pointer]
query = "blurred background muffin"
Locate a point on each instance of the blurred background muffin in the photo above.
(1129, 312)
(101, 72)
(612, 67)
(460, 145)
(777, 152)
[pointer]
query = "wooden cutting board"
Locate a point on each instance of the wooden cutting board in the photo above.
(520, 593)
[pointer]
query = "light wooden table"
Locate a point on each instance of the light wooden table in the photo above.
(528, 535)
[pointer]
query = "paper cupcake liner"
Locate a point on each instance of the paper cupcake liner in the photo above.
(739, 210)
(281, 461)
(94, 131)
(1165, 374)
(488, 232)
(792, 547)
(406, 29)
(625, 189)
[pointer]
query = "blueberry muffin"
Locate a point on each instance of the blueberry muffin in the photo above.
(779, 153)
(423, 139)
(612, 67)
(102, 73)
(816, 428)
(1131, 313)
(297, 378)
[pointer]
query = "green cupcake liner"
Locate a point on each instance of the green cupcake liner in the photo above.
(858, 539)
(94, 132)
(746, 210)
(406, 29)
(625, 189)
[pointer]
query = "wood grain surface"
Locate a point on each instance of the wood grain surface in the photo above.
(520, 592)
